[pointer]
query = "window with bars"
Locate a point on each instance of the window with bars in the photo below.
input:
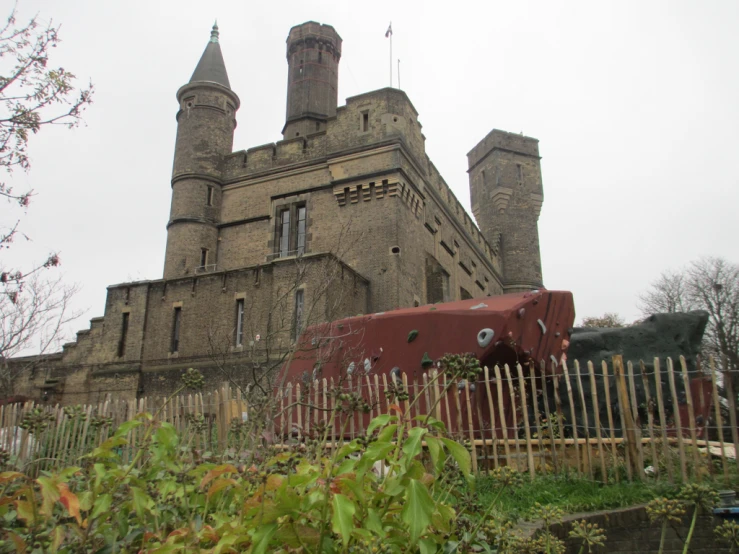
(240, 322)
(124, 335)
(176, 327)
(298, 318)
(291, 232)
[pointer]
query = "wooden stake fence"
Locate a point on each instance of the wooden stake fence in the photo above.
(501, 419)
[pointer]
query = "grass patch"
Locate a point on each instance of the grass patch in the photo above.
(571, 494)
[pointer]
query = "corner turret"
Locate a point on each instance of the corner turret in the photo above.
(507, 194)
(313, 54)
(205, 126)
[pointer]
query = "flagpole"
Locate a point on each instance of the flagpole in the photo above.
(391, 59)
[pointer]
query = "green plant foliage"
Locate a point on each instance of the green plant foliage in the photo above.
(412, 335)
(171, 497)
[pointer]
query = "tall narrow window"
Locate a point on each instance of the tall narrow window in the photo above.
(298, 322)
(284, 236)
(519, 167)
(176, 326)
(124, 335)
(240, 322)
(365, 121)
(209, 196)
(301, 230)
(203, 257)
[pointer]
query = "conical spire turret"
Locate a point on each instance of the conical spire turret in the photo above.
(211, 67)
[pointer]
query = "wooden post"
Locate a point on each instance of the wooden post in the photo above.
(609, 412)
(493, 431)
(527, 429)
(572, 415)
(548, 414)
(650, 416)
(663, 420)
(627, 418)
(501, 411)
(470, 426)
(719, 421)
(731, 397)
(596, 413)
(691, 419)
(560, 420)
(513, 411)
(581, 393)
(678, 422)
(535, 405)
(637, 420)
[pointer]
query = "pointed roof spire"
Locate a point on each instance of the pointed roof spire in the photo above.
(211, 67)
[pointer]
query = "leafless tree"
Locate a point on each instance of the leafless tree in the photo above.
(710, 284)
(34, 322)
(33, 95)
(269, 332)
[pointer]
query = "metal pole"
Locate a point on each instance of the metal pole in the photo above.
(391, 59)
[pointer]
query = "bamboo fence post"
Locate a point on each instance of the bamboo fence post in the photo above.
(627, 421)
(503, 422)
(663, 420)
(377, 395)
(333, 412)
(316, 391)
(437, 395)
(704, 414)
(470, 426)
(548, 415)
(384, 388)
(299, 411)
(417, 403)
(637, 422)
(446, 404)
(731, 397)
(650, 416)
(289, 408)
(457, 403)
(719, 421)
(527, 429)
(493, 432)
(326, 415)
(514, 411)
(678, 422)
(427, 395)
(596, 413)
(535, 406)
(581, 393)
(359, 415)
(609, 413)
(691, 418)
(406, 403)
(560, 420)
(281, 394)
(572, 415)
(478, 408)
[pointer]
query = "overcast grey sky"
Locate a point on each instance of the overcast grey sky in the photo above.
(635, 104)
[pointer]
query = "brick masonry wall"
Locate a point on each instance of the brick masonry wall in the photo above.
(629, 530)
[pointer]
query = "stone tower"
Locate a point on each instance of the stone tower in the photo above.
(506, 194)
(313, 53)
(205, 126)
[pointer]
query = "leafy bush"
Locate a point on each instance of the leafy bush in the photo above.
(168, 499)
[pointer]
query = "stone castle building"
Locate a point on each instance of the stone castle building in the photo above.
(345, 215)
